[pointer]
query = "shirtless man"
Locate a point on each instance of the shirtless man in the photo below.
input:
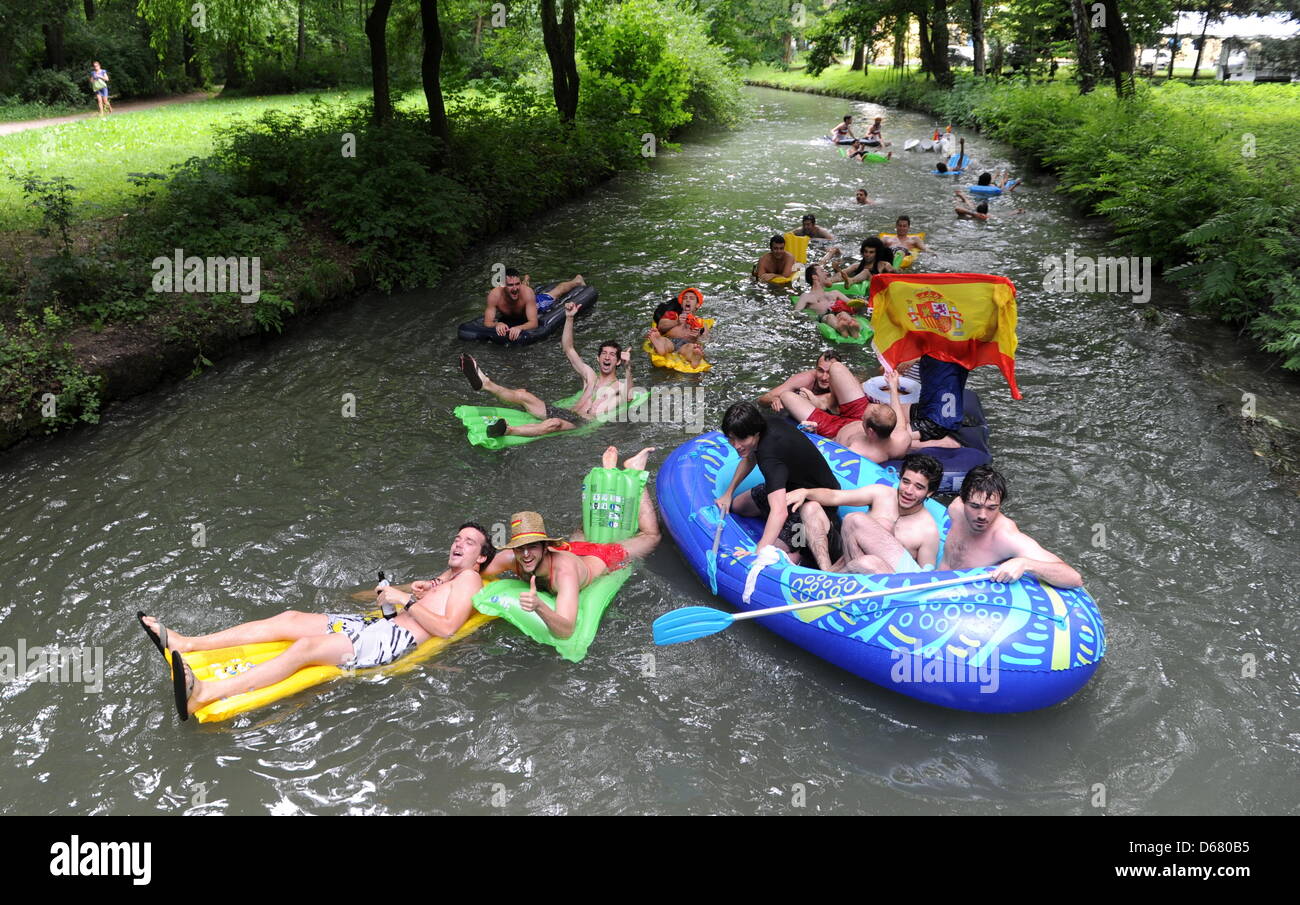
(897, 535)
(600, 392)
(817, 382)
(872, 430)
(981, 536)
(808, 227)
(980, 211)
(861, 197)
(439, 607)
(776, 263)
(679, 328)
(567, 568)
(831, 305)
(843, 130)
(901, 239)
(873, 134)
(512, 308)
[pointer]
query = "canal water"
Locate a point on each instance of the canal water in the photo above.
(248, 490)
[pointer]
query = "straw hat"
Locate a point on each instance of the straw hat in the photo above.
(528, 528)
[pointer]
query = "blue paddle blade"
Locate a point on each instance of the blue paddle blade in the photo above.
(689, 623)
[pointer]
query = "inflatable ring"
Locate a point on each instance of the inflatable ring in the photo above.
(909, 390)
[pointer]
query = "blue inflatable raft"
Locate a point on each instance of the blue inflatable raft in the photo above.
(981, 646)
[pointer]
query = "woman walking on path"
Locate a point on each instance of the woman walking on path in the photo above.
(99, 85)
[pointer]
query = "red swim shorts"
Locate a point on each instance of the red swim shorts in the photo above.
(613, 555)
(829, 425)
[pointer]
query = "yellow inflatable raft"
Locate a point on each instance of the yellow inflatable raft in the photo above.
(229, 661)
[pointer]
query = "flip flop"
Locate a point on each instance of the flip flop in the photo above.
(181, 689)
(469, 367)
(159, 638)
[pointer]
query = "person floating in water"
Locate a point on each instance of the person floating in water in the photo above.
(601, 392)
(776, 263)
(982, 536)
(566, 568)
(432, 608)
(843, 130)
(512, 308)
(831, 305)
(678, 328)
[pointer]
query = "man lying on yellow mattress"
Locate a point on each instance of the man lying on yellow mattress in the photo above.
(438, 607)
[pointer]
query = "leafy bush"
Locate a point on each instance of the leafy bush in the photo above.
(51, 88)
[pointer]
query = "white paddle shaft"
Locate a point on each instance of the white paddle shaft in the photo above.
(885, 592)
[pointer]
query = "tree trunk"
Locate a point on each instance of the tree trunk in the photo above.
(977, 33)
(927, 51)
(1175, 44)
(302, 34)
(939, 41)
(1121, 50)
(234, 71)
(377, 35)
(431, 70)
(53, 30)
(1200, 48)
(900, 44)
(89, 7)
(858, 54)
(1085, 64)
(189, 51)
(559, 40)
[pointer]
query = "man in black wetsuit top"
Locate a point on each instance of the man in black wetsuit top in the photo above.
(789, 461)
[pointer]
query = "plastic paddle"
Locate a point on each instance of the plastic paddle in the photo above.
(713, 554)
(691, 622)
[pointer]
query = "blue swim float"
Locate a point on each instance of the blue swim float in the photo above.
(983, 646)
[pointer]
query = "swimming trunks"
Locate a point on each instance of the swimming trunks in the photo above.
(793, 528)
(554, 411)
(840, 307)
(614, 556)
(375, 640)
(678, 343)
(829, 425)
(544, 301)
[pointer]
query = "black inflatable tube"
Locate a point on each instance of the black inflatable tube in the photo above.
(548, 321)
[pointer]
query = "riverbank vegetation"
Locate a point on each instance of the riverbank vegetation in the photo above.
(419, 124)
(332, 194)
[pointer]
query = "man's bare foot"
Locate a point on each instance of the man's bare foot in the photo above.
(638, 462)
(609, 458)
(579, 280)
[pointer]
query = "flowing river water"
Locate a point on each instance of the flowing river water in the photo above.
(1125, 457)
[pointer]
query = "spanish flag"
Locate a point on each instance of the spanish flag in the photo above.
(964, 318)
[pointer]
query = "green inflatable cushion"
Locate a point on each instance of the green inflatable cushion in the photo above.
(830, 334)
(611, 501)
(476, 418)
(501, 598)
